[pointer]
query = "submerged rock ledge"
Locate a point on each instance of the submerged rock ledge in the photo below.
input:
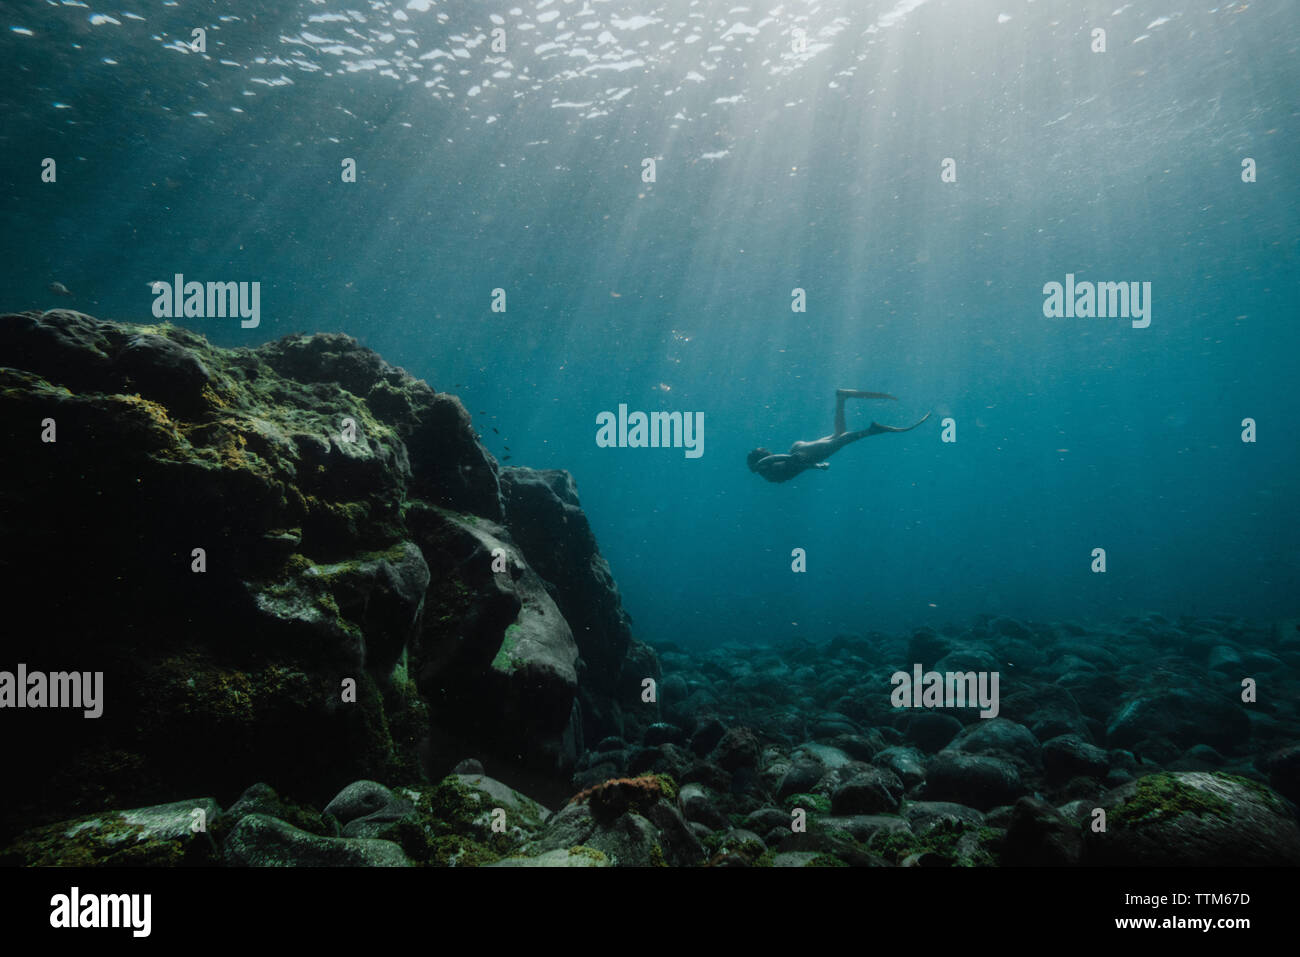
(348, 517)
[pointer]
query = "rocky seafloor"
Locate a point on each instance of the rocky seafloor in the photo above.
(334, 630)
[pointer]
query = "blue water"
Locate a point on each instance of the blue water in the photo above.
(775, 170)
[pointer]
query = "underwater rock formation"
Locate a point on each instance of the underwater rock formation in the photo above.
(234, 537)
(296, 565)
(544, 517)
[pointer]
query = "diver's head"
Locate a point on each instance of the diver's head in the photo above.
(756, 456)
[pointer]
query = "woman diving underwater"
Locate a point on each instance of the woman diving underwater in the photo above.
(813, 455)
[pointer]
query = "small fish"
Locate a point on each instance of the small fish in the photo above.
(60, 290)
(458, 386)
(494, 429)
(505, 458)
(481, 412)
(507, 448)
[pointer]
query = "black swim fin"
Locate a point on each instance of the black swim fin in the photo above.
(877, 428)
(859, 394)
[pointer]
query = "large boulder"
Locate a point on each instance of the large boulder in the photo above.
(166, 835)
(365, 808)
(1000, 738)
(1185, 717)
(1194, 819)
(871, 791)
(978, 781)
(242, 563)
(1068, 756)
(285, 572)
(544, 516)
(1038, 835)
(497, 662)
(261, 841)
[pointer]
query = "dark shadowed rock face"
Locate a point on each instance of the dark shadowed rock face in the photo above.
(1283, 769)
(978, 781)
(1183, 716)
(498, 661)
(544, 517)
(1038, 835)
(348, 518)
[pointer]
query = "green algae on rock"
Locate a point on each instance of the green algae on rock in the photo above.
(346, 514)
(262, 841)
(167, 835)
(1194, 818)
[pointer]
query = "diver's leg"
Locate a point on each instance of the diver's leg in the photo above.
(848, 438)
(828, 446)
(839, 441)
(842, 394)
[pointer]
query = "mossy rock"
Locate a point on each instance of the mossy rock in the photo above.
(1162, 797)
(812, 803)
(960, 843)
(160, 836)
(597, 856)
(261, 798)
(826, 860)
(610, 799)
(578, 856)
(667, 786)
(262, 841)
(736, 851)
(452, 824)
(629, 820)
(1194, 819)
